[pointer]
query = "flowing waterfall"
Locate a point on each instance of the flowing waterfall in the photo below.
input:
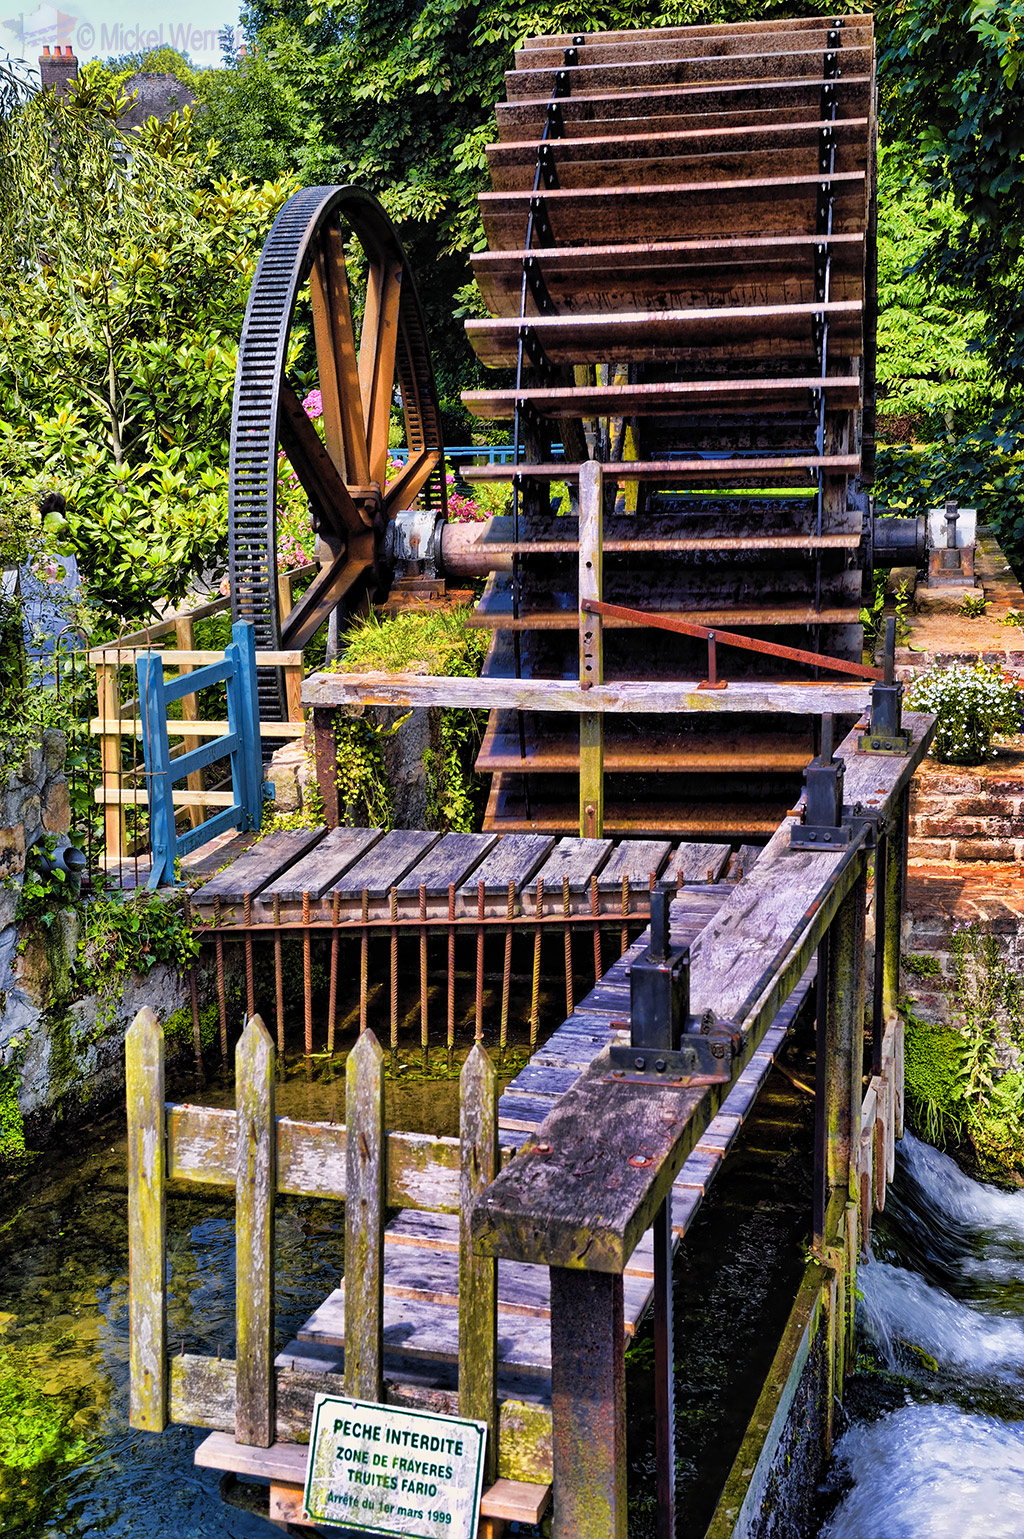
(942, 1305)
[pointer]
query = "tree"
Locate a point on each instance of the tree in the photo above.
(950, 77)
(124, 271)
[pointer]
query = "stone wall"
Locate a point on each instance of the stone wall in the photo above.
(61, 1052)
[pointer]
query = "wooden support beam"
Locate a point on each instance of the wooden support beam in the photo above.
(588, 1404)
(661, 696)
(147, 1223)
(256, 1183)
(478, 1275)
(364, 1220)
(591, 579)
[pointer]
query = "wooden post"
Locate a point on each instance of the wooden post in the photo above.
(255, 1186)
(184, 635)
(895, 884)
(108, 702)
(844, 1035)
(591, 562)
(326, 753)
(478, 1275)
(365, 1154)
(588, 1404)
(147, 1224)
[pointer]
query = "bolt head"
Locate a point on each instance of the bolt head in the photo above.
(639, 1063)
(660, 1065)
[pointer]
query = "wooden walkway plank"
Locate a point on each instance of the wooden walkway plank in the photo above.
(322, 866)
(384, 866)
(446, 864)
(575, 860)
(515, 858)
(634, 859)
(694, 861)
(254, 870)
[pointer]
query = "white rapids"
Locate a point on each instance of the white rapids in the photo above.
(935, 1470)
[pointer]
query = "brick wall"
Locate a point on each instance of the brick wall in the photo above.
(969, 815)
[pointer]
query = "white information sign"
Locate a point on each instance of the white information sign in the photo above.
(382, 1469)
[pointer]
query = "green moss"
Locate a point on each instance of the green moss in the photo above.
(38, 1438)
(932, 1069)
(923, 966)
(12, 1123)
(178, 1028)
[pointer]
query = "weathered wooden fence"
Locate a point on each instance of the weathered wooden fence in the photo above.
(257, 1402)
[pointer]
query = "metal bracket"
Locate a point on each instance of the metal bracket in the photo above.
(886, 734)
(539, 360)
(702, 1058)
(822, 828)
(668, 1045)
(871, 821)
(537, 286)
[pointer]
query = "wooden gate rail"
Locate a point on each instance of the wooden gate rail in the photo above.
(118, 717)
(261, 1403)
(600, 1169)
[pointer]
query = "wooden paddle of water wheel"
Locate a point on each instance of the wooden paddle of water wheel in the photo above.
(680, 267)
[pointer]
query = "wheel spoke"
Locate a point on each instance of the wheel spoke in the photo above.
(336, 359)
(377, 349)
(326, 591)
(321, 482)
(406, 487)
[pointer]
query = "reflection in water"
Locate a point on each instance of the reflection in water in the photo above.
(942, 1304)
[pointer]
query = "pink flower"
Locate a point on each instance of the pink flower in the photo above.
(313, 405)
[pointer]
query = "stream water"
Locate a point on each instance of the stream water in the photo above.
(935, 1448)
(70, 1466)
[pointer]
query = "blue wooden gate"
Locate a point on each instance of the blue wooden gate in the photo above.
(241, 745)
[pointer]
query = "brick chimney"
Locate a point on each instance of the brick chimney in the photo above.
(57, 69)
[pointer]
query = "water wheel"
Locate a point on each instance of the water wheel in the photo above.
(359, 372)
(680, 268)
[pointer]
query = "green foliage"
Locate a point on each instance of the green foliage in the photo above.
(956, 1079)
(124, 271)
(436, 641)
(973, 704)
(453, 792)
(45, 889)
(928, 332)
(130, 932)
(362, 774)
(950, 84)
(973, 607)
